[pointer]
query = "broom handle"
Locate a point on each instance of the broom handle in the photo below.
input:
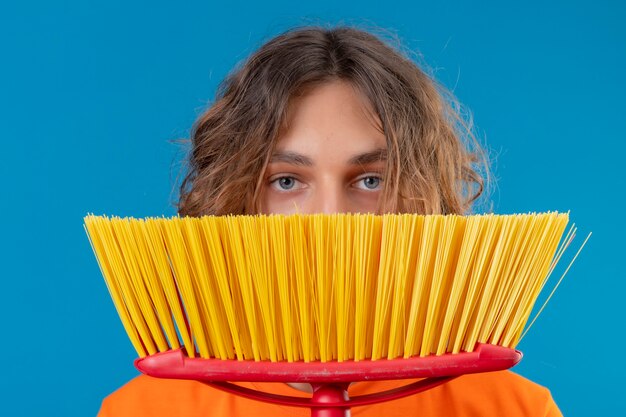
(325, 395)
(331, 400)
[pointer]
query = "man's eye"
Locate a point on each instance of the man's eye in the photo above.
(371, 182)
(284, 183)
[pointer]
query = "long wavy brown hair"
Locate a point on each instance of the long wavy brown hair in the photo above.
(434, 161)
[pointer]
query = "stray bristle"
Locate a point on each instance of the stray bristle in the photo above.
(325, 287)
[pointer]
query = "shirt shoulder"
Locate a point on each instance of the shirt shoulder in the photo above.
(495, 393)
(155, 397)
(502, 393)
(145, 396)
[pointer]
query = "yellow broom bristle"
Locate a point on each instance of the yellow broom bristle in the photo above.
(326, 287)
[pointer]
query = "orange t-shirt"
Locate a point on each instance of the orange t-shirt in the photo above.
(501, 393)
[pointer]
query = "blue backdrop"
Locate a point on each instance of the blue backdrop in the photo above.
(92, 94)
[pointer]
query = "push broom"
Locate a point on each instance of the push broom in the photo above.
(327, 299)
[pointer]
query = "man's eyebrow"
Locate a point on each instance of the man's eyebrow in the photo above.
(291, 158)
(377, 155)
(294, 158)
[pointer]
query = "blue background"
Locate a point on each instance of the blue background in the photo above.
(91, 94)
